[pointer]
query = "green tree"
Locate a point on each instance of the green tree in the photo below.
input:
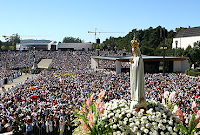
(1, 44)
(12, 41)
(72, 40)
(150, 40)
(3, 47)
(11, 48)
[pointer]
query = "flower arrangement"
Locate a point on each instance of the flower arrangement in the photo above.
(156, 119)
(116, 118)
(88, 117)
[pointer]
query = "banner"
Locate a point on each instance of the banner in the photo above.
(64, 75)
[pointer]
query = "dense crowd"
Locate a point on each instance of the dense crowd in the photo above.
(45, 103)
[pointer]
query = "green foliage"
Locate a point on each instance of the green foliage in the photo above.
(150, 41)
(11, 48)
(180, 28)
(72, 40)
(192, 72)
(3, 47)
(191, 128)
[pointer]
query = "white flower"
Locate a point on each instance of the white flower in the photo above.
(131, 120)
(125, 122)
(118, 133)
(135, 129)
(170, 122)
(175, 129)
(164, 120)
(114, 126)
(142, 128)
(170, 129)
(146, 131)
(128, 115)
(142, 110)
(110, 120)
(125, 119)
(120, 122)
(140, 114)
(162, 133)
(137, 123)
(131, 124)
(148, 125)
(118, 111)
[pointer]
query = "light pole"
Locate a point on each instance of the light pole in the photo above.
(162, 35)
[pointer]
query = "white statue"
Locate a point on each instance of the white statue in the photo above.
(137, 77)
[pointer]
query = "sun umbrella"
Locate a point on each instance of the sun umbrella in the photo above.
(188, 87)
(32, 88)
(195, 96)
(33, 96)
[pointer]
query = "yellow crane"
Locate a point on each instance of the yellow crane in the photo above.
(95, 32)
(12, 39)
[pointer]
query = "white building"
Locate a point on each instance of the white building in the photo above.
(186, 37)
(51, 45)
(38, 44)
(74, 46)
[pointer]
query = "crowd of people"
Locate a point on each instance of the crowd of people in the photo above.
(45, 103)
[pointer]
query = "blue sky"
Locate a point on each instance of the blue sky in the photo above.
(55, 19)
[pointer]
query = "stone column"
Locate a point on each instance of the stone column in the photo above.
(118, 66)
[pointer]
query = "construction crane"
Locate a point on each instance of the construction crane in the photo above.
(10, 37)
(95, 32)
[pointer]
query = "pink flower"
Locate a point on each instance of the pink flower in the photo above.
(98, 103)
(88, 103)
(178, 112)
(91, 97)
(163, 101)
(198, 114)
(171, 96)
(166, 94)
(198, 125)
(102, 94)
(102, 107)
(194, 106)
(91, 119)
(84, 127)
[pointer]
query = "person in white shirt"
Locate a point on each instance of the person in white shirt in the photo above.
(49, 127)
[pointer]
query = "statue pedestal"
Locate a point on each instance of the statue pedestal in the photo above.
(137, 105)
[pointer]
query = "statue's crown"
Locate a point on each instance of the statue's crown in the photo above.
(135, 42)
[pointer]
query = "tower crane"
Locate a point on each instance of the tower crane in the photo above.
(95, 32)
(10, 37)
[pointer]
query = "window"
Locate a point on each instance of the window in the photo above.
(176, 44)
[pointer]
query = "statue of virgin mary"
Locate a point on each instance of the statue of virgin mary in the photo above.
(137, 77)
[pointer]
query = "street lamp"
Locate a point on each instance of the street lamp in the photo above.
(162, 35)
(163, 48)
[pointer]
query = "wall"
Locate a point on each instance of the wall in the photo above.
(180, 66)
(76, 46)
(185, 41)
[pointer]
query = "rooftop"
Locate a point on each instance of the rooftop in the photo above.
(189, 32)
(145, 58)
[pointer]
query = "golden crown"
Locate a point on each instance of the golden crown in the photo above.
(135, 42)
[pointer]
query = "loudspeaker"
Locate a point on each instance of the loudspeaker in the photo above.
(98, 41)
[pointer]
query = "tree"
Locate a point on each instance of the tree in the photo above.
(72, 40)
(3, 47)
(0, 44)
(12, 41)
(150, 40)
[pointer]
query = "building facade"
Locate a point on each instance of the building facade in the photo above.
(52, 45)
(186, 37)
